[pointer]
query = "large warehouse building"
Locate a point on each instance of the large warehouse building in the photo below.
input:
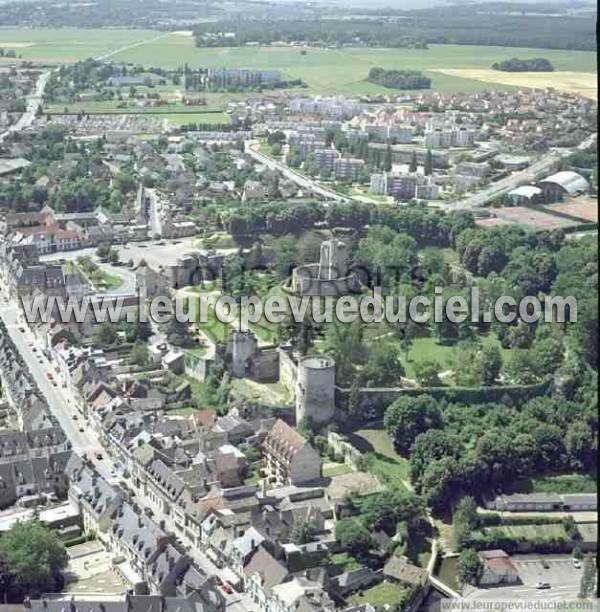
(563, 184)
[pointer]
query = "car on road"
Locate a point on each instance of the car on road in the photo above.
(99, 456)
(545, 564)
(227, 588)
(75, 417)
(542, 585)
(576, 563)
(49, 375)
(34, 349)
(81, 430)
(22, 330)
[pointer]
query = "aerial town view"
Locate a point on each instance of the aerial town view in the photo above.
(298, 306)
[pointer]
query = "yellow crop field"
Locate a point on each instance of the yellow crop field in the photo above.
(583, 83)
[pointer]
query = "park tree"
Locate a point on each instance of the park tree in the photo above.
(103, 251)
(354, 404)
(353, 536)
(470, 567)
(138, 330)
(342, 342)
(383, 368)
(113, 255)
(303, 531)
(465, 520)
(487, 365)
(428, 166)
(106, 334)
(7, 579)
(387, 160)
(35, 556)
(427, 373)
(409, 416)
(412, 167)
(139, 354)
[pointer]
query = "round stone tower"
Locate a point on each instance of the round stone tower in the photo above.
(315, 393)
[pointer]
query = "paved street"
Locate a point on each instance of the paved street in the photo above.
(300, 179)
(61, 404)
(33, 103)
(60, 401)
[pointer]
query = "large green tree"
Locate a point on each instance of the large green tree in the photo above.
(409, 416)
(470, 567)
(35, 555)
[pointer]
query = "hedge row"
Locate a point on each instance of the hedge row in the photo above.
(492, 519)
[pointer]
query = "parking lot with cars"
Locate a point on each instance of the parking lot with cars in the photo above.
(559, 572)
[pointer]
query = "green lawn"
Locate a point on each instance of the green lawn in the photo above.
(213, 328)
(529, 532)
(383, 594)
(384, 461)
(343, 562)
(338, 469)
(99, 278)
(447, 355)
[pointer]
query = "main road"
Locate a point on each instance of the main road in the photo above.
(539, 169)
(34, 101)
(300, 179)
(82, 436)
(60, 400)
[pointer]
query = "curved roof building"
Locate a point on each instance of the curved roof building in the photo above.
(570, 182)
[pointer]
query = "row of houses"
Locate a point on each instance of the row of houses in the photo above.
(33, 448)
(51, 232)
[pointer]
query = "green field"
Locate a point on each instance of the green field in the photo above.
(326, 71)
(69, 44)
(384, 461)
(528, 532)
(344, 70)
(336, 469)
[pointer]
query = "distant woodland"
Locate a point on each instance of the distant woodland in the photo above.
(399, 79)
(453, 25)
(536, 64)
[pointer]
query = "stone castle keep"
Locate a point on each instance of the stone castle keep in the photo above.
(330, 276)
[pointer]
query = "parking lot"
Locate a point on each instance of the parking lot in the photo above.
(560, 574)
(154, 253)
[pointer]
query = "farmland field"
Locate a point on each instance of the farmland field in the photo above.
(344, 71)
(68, 44)
(583, 83)
(326, 71)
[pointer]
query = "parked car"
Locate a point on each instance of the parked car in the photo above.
(576, 563)
(542, 585)
(227, 588)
